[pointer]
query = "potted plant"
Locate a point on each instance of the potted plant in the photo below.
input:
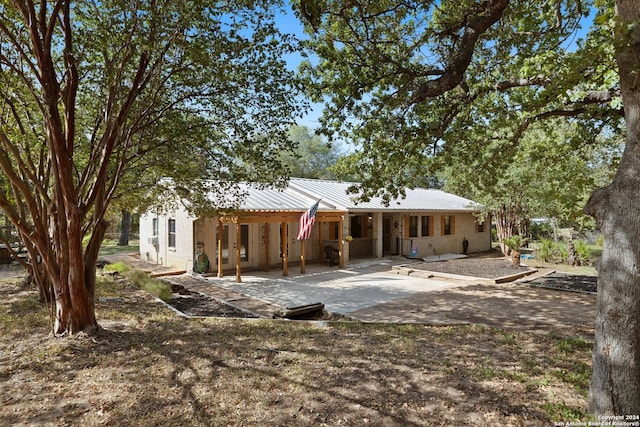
(514, 243)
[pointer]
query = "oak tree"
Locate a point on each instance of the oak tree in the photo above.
(313, 157)
(407, 81)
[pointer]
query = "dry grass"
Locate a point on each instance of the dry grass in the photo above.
(151, 367)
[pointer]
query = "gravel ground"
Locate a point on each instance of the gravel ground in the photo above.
(195, 304)
(487, 268)
(567, 282)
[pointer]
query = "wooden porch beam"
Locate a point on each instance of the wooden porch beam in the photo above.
(220, 230)
(266, 247)
(238, 279)
(285, 247)
(340, 245)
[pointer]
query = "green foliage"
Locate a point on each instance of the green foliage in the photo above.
(313, 157)
(562, 411)
(110, 247)
(106, 286)
(552, 252)
(545, 176)
(539, 231)
(415, 100)
(557, 252)
(572, 344)
(155, 287)
(115, 104)
(515, 242)
(117, 267)
(583, 253)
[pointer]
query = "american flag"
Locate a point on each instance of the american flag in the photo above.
(306, 222)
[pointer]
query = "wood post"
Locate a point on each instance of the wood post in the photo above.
(320, 252)
(238, 240)
(220, 230)
(340, 244)
(284, 238)
(266, 247)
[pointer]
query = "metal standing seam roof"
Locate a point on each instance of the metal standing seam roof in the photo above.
(301, 193)
(335, 193)
(277, 200)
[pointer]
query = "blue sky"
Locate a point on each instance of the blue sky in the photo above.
(289, 23)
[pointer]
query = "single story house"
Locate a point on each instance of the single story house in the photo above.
(262, 232)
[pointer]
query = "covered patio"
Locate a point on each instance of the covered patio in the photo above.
(284, 218)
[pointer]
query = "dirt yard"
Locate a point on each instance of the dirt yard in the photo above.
(151, 367)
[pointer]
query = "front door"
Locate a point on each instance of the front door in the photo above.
(386, 235)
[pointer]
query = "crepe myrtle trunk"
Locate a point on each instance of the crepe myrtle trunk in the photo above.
(75, 286)
(506, 219)
(615, 380)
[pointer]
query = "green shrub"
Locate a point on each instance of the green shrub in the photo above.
(515, 242)
(118, 267)
(600, 241)
(550, 251)
(155, 287)
(583, 253)
(558, 253)
(540, 231)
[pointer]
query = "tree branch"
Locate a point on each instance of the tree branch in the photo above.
(478, 21)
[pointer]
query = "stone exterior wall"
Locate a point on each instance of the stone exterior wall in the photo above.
(462, 226)
(399, 239)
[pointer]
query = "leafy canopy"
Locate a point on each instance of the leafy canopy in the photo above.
(410, 81)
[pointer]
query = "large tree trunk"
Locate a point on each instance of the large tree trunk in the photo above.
(125, 228)
(615, 381)
(75, 284)
(75, 312)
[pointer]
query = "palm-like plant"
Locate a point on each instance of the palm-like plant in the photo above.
(514, 243)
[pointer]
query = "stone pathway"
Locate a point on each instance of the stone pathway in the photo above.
(513, 306)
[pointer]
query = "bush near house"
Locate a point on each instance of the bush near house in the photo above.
(553, 252)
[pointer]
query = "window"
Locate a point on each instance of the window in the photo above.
(427, 227)
(172, 233)
(413, 226)
(154, 225)
(480, 227)
(244, 242)
(223, 240)
(448, 225)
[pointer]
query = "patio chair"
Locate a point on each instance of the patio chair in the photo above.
(331, 253)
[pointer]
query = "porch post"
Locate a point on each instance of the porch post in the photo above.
(303, 244)
(238, 280)
(340, 244)
(284, 238)
(220, 230)
(379, 234)
(320, 252)
(266, 247)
